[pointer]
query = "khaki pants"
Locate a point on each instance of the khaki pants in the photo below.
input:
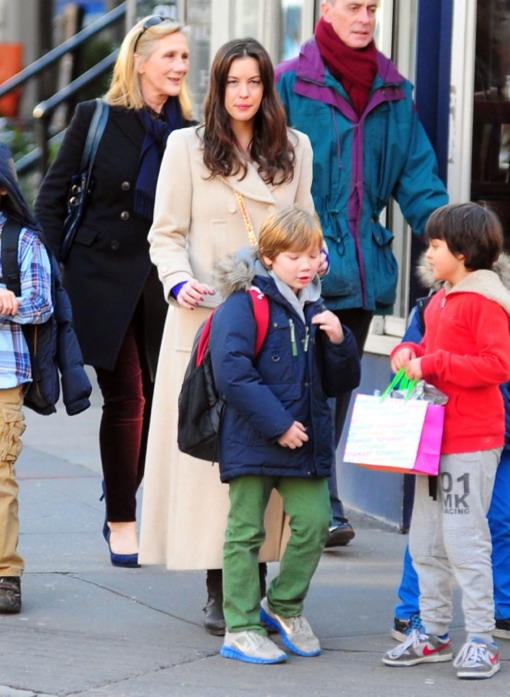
(12, 425)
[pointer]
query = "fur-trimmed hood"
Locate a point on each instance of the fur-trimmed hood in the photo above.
(493, 284)
(239, 272)
(236, 272)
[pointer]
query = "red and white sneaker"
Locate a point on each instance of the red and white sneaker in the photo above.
(477, 659)
(419, 648)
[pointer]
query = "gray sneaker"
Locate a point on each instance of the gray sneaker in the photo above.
(477, 659)
(295, 632)
(419, 648)
(251, 647)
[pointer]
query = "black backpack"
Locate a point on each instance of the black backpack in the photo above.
(200, 407)
(53, 345)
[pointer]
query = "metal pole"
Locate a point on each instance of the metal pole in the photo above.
(131, 13)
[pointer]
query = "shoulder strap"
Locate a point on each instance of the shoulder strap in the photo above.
(260, 305)
(203, 341)
(96, 129)
(246, 218)
(9, 255)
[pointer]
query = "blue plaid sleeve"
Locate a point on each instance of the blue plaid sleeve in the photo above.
(35, 275)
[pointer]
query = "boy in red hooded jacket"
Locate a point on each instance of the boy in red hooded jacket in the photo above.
(465, 353)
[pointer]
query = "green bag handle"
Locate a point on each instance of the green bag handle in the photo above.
(400, 381)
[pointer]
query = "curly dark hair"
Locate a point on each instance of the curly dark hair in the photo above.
(270, 148)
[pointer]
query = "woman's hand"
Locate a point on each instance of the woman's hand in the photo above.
(192, 294)
(324, 266)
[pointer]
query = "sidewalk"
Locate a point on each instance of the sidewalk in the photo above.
(88, 628)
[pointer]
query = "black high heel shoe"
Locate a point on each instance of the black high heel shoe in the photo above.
(128, 561)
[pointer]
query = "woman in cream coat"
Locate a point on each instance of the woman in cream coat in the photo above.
(243, 146)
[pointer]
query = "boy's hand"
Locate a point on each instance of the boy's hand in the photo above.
(330, 324)
(294, 437)
(413, 370)
(401, 359)
(9, 303)
(406, 359)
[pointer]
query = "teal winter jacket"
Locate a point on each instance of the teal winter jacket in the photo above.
(360, 162)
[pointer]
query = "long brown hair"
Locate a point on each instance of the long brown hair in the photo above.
(270, 147)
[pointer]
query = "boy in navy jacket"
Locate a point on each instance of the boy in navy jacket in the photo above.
(277, 430)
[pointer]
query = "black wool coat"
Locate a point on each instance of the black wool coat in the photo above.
(108, 271)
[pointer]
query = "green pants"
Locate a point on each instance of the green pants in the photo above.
(306, 502)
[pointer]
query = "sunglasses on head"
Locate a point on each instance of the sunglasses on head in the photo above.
(150, 22)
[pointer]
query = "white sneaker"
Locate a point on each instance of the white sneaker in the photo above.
(251, 647)
(477, 659)
(295, 632)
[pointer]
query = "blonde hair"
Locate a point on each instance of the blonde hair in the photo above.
(125, 87)
(290, 228)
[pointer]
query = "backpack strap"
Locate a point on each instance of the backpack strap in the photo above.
(203, 341)
(260, 305)
(9, 255)
(96, 128)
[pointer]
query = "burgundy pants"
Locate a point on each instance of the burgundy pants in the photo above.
(127, 399)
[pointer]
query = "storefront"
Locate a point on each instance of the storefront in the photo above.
(458, 55)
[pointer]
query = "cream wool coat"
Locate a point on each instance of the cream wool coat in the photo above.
(196, 222)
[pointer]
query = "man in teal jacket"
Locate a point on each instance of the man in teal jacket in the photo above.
(369, 145)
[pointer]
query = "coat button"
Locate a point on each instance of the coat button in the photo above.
(124, 215)
(115, 244)
(125, 186)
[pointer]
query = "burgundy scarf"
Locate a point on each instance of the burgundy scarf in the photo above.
(355, 68)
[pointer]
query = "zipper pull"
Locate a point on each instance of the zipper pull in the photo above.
(307, 338)
(293, 338)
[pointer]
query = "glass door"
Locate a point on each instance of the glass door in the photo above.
(490, 166)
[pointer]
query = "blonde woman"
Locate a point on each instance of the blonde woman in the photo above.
(118, 308)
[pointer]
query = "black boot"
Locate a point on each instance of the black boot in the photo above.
(262, 578)
(214, 621)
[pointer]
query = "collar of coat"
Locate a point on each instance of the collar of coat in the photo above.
(483, 282)
(424, 273)
(310, 66)
(252, 186)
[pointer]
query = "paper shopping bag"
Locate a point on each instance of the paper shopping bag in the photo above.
(395, 435)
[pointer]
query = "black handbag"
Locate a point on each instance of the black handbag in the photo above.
(81, 183)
